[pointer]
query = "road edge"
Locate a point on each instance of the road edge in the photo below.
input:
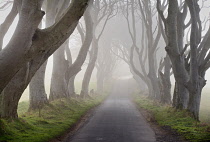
(77, 126)
(162, 133)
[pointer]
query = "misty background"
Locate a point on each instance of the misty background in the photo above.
(116, 29)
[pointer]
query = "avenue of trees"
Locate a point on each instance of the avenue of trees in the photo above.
(161, 39)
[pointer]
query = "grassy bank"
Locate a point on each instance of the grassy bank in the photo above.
(177, 120)
(53, 120)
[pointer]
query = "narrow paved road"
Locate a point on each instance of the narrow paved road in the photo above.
(116, 120)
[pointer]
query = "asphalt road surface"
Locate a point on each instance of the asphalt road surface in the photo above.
(116, 120)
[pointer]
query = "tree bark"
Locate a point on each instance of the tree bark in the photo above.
(48, 45)
(37, 94)
(57, 89)
(175, 96)
(7, 23)
(29, 19)
(176, 56)
(165, 82)
(197, 81)
(147, 20)
(4, 28)
(142, 76)
(58, 84)
(153, 77)
(76, 66)
(48, 39)
(11, 95)
(71, 87)
(88, 73)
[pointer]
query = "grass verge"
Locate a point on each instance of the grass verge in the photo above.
(55, 119)
(177, 120)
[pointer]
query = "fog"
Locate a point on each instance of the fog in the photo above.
(104, 70)
(116, 29)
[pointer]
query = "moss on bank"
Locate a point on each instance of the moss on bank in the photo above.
(53, 120)
(177, 120)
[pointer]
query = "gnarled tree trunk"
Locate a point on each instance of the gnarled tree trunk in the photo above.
(39, 55)
(175, 54)
(12, 94)
(89, 70)
(37, 93)
(165, 82)
(71, 87)
(58, 84)
(57, 89)
(22, 38)
(44, 42)
(38, 96)
(197, 73)
(28, 23)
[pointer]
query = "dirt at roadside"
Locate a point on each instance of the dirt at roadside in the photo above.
(162, 133)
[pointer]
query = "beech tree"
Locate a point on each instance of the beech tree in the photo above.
(189, 69)
(146, 50)
(70, 86)
(164, 70)
(153, 40)
(57, 88)
(142, 55)
(123, 53)
(32, 37)
(23, 60)
(181, 91)
(105, 65)
(102, 12)
(164, 74)
(76, 66)
(37, 93)
(29, 49)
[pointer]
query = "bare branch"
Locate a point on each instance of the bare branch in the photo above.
(4, 27)
(185, 48)
(81, 32)
(161, 12)
(5, 5)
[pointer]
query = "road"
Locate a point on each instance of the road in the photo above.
(116, 120)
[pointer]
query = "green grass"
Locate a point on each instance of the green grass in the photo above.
(177, 120)
(78, 86)
(55, 119)
(23, 107)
